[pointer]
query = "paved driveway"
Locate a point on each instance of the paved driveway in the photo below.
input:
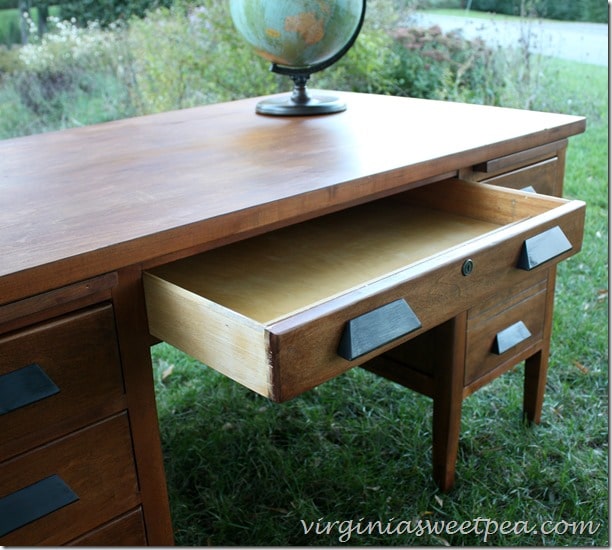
(583, 42)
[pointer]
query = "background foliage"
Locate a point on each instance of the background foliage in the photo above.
(105, 12)
(576, 10)
(189, 55)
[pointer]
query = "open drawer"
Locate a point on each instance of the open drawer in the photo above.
(284, 311)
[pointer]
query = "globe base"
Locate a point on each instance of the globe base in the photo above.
(287, 106)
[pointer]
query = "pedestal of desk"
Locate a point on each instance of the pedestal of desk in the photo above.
(441, 363)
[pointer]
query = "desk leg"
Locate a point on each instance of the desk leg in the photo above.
(536, 366)
(449, 370)
(134, 343)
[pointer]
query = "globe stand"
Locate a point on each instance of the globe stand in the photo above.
(300, 102)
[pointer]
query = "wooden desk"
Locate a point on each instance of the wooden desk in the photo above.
(88, 214)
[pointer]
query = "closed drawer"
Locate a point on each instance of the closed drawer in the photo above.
(60, 491)
(58, 376)
(286, 311)
(498, 332)
(542, 177)
(128, 530)
(540, 168)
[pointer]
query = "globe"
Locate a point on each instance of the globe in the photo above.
(299, 37)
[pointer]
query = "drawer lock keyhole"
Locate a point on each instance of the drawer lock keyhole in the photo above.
(467, 267)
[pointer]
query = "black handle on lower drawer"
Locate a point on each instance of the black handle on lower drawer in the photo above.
(510, 337)
(34, 502)
(376, 328)
(24, 386)
(543, 247)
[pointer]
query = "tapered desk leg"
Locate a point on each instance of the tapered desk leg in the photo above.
(449, 372)
(536, 366)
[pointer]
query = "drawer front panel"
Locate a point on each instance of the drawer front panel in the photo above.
(501, 332)
(57, 377)
(543, 177)
(96, 464)
(128, 530)
(541, 168)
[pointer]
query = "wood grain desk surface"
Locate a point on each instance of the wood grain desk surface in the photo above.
(86, 201)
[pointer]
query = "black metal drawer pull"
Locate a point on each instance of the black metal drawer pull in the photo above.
(34, 502)
(510, 337)
(23, 387)
(543, 247)
(376, 328)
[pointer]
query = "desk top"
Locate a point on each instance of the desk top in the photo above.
(86, 201)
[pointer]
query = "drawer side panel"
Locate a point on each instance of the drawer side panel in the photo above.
(221, 339)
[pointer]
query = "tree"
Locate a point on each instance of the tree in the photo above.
(24, 15)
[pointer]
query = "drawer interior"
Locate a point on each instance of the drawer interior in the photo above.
(269, 277)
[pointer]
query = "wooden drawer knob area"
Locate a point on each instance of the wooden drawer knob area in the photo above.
(34, 502)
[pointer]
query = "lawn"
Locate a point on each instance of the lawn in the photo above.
(482, 14)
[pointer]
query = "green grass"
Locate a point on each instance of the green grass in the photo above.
(242, 470)
(489, 16)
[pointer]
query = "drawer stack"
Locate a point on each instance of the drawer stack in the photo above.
(67, 471)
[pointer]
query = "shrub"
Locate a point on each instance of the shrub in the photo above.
(182, 57)
(62, 79)
(447, 66)
(9, 61)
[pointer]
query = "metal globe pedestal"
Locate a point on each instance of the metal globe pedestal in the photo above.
(301, 102)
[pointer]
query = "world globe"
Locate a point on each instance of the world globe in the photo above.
(299, 37)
